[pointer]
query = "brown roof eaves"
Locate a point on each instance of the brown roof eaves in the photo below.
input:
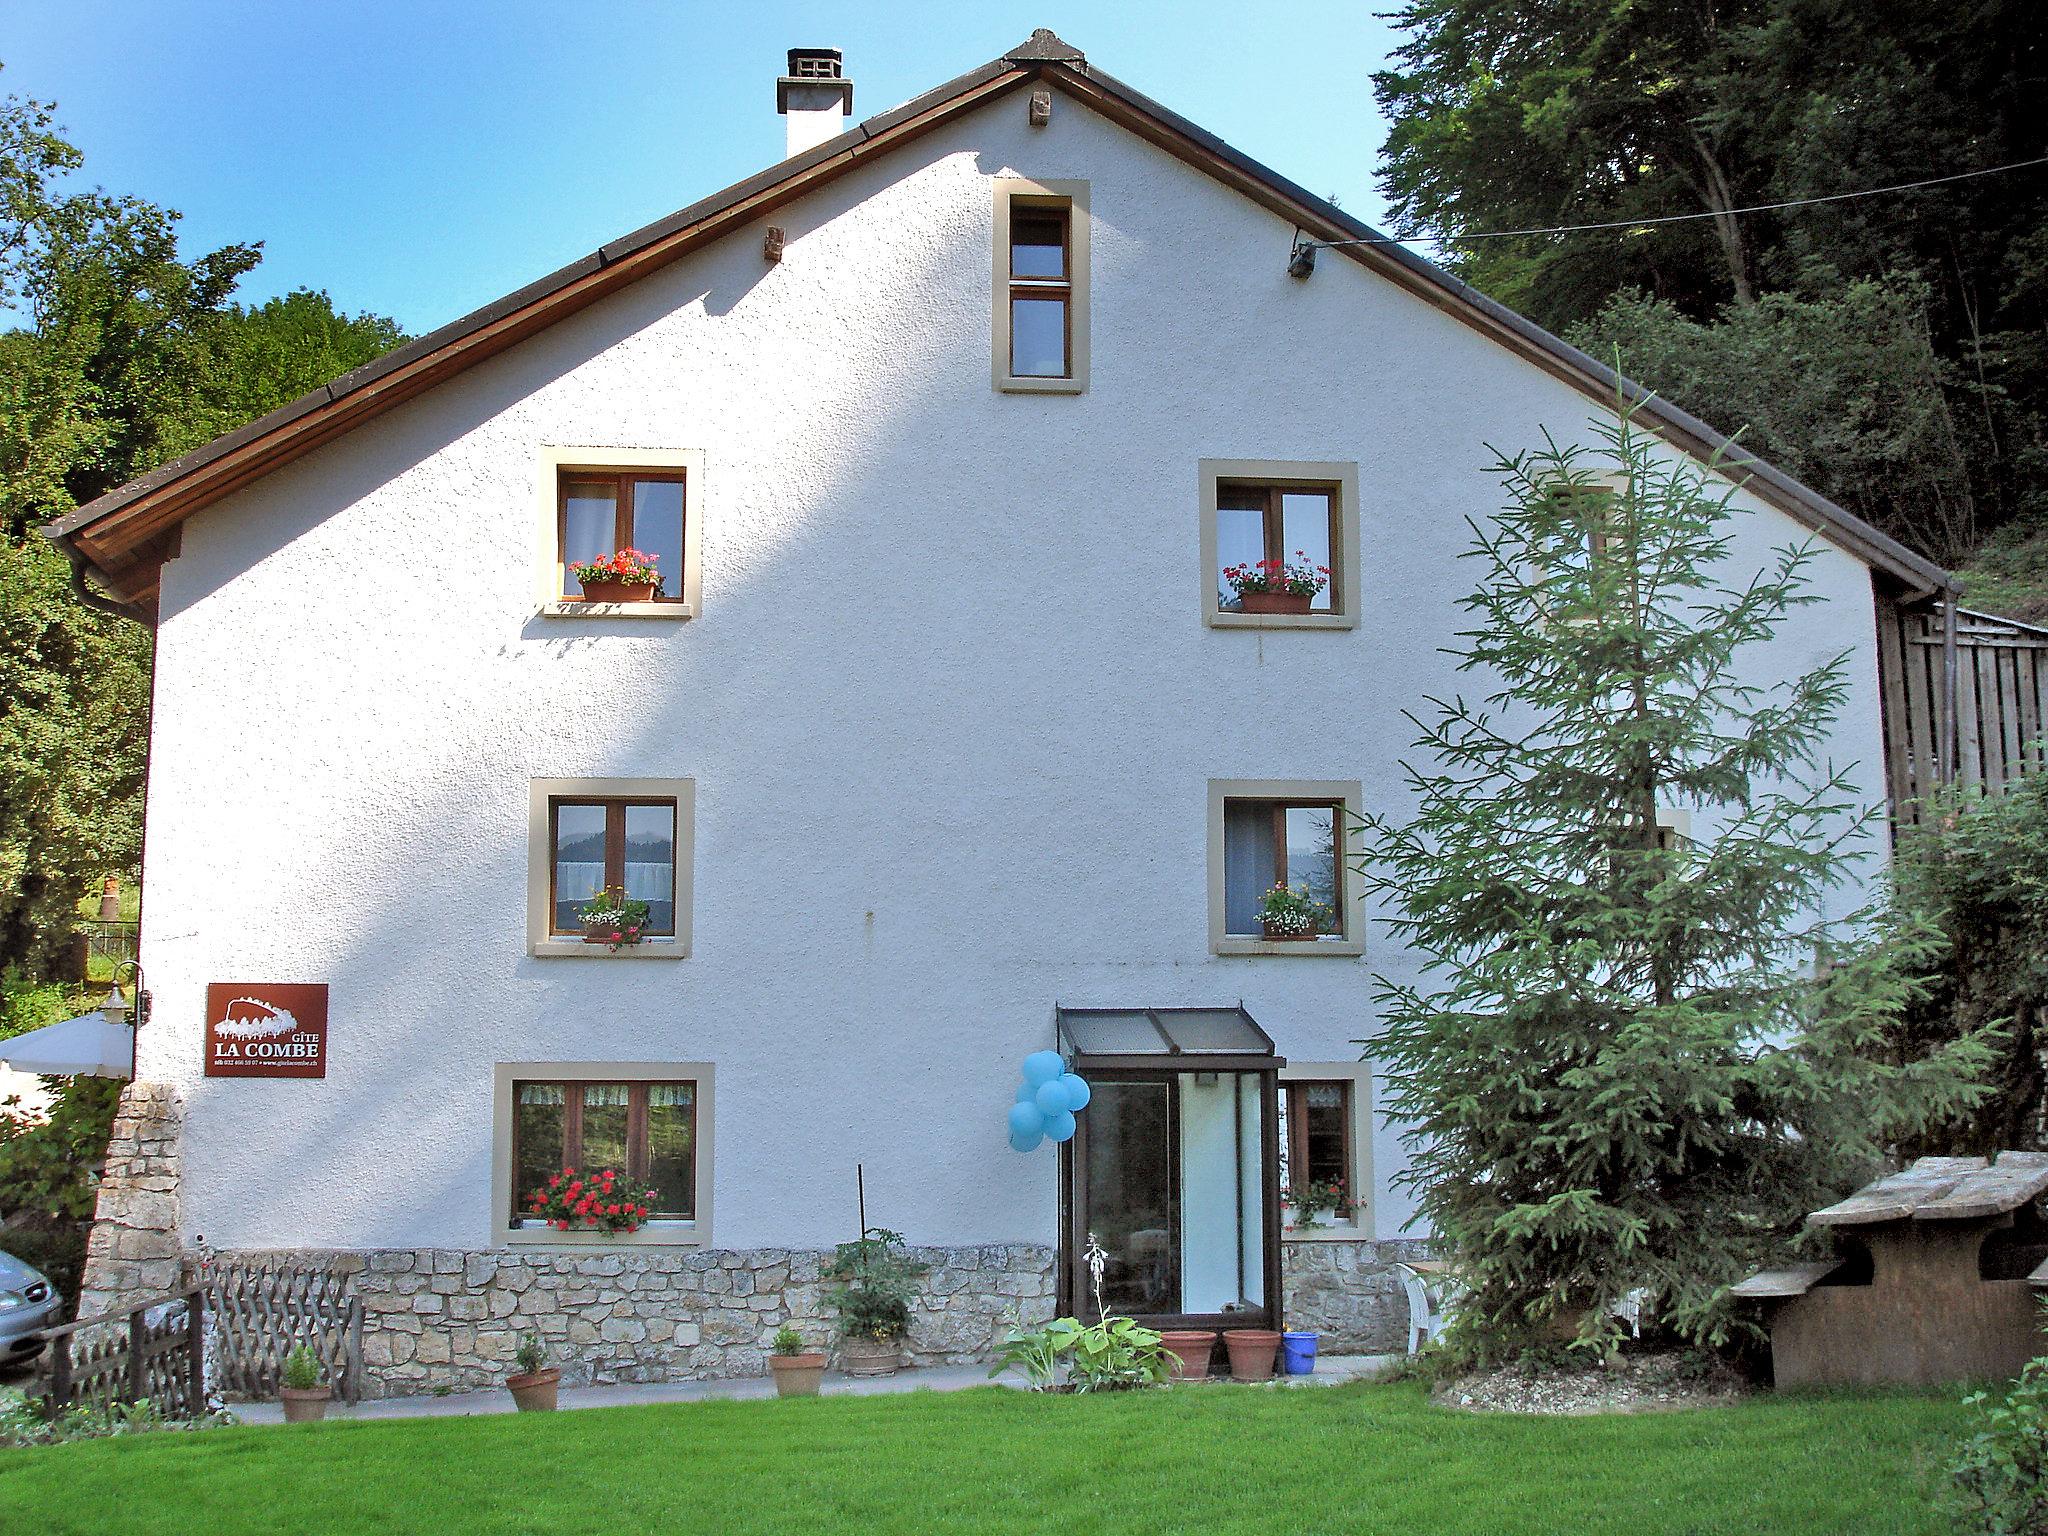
(155, 502)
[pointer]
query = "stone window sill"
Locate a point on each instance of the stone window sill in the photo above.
(1219, 619)
(1344, 1232)
(1325, 948)
(576, 949)
(656, 1234)
(1024, 385)
(575, 608)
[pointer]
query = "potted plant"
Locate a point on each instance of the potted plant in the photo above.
(607, 1200)
(798, 1372)
(630, 576)
(305, 1394)
(1275, 586)
(1312, 1198)
(613, 918)
(873, 1281)
(1292, 915)
(535, 1384)
(1251, 1352)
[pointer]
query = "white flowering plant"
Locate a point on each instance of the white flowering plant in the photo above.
(1286, 911)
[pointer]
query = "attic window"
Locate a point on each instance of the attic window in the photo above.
(598, 502)
(1041, 287)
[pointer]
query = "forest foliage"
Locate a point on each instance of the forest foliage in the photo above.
(1891, 351)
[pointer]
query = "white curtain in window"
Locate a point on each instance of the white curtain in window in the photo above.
(1247, 862)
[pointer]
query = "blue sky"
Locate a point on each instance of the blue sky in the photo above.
(419, 158)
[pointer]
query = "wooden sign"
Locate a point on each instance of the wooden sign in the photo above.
(265, 1029)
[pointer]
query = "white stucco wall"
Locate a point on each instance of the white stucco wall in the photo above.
(949, 707)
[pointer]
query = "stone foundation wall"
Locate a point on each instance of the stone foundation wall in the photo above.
(1347, 1291)
(438, 1318)
(133, 1252)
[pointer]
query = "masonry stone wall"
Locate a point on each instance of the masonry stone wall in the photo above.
(133, 1251)
(447, 1319)
(1347, 1291)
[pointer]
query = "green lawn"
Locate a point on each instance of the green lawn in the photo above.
(1352, 1459)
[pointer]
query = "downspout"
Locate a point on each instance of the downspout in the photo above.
(81, 590)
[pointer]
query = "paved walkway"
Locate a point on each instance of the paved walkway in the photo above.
(1331, 1371)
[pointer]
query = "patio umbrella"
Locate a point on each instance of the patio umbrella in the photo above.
(91, 1045)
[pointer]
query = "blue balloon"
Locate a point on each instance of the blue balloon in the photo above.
(1078, 1092)
(1042, 1067)
(1026, 1120)
(1026, 1143)
(1060, 1127)
(1026, 1092)
(1051, 1098)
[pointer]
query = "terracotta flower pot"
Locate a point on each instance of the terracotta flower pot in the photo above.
(1284, 938)
(1191, 1349)
(1251, 1353)
(304, 1405)
(870, 1357)
(611, 591)
(798, 1375)
(1274, 602)
(534, 1391)
(601, 933)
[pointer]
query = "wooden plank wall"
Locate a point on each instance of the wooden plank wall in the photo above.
(2001, 700)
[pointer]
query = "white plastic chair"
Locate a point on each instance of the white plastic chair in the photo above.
(1428, 1301)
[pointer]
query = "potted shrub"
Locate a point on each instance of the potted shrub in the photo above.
(613, 918)
(872, 1282)
(606, 1201)
(1275, 586)
(1291, 915)
(305, 1394)
(1311, 1199)
(630, 576)
(536, 1382)
(798, 1372)
(1251, 1352)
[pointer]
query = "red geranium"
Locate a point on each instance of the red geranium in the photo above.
(607, 1200)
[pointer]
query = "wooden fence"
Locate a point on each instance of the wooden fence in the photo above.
(126, 1357)
(2001, 701)
(264, 1310)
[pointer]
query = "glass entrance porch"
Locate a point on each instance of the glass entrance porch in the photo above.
(1174, 1169)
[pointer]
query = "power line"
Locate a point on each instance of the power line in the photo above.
(1680, 218)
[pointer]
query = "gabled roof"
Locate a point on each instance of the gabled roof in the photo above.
(126, 534)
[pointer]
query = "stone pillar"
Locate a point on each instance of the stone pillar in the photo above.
(134, 1251)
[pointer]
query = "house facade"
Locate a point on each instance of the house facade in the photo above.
(943, 743)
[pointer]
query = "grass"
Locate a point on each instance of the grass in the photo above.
(1217, 1459)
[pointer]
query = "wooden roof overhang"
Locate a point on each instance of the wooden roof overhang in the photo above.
(125, 536)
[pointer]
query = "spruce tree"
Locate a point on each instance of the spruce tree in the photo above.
(1634, 1058)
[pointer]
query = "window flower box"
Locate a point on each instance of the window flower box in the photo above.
(1275, 586)
(629, 576)
(1291, 916)
(606, 1201)
(614, 919)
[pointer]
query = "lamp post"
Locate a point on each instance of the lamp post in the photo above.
(114, 1009)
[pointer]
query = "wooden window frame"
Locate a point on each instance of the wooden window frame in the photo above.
(1346, 797)
(1071, 198)
(1355, 1076)
(1271, 493)
(1280, 808)
(614, 849)
(1042, 288)
(1296, 1093)
(637, 1150)
(694, 1233)
(1276, 478)
(543, 941)
(556, 464)
(675, 585)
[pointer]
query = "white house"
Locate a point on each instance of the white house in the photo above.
(939, 746)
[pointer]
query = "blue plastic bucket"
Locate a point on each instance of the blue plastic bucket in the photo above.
(1298, 1352)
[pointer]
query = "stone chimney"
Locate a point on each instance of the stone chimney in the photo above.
(814, 97)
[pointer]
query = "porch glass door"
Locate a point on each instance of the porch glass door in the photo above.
(1170, 1178)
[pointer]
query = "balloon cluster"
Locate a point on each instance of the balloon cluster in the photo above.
(1046, 1101)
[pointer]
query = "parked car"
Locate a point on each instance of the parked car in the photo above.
(28, 1305)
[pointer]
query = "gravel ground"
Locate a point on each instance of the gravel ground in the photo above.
(1632, 1384)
